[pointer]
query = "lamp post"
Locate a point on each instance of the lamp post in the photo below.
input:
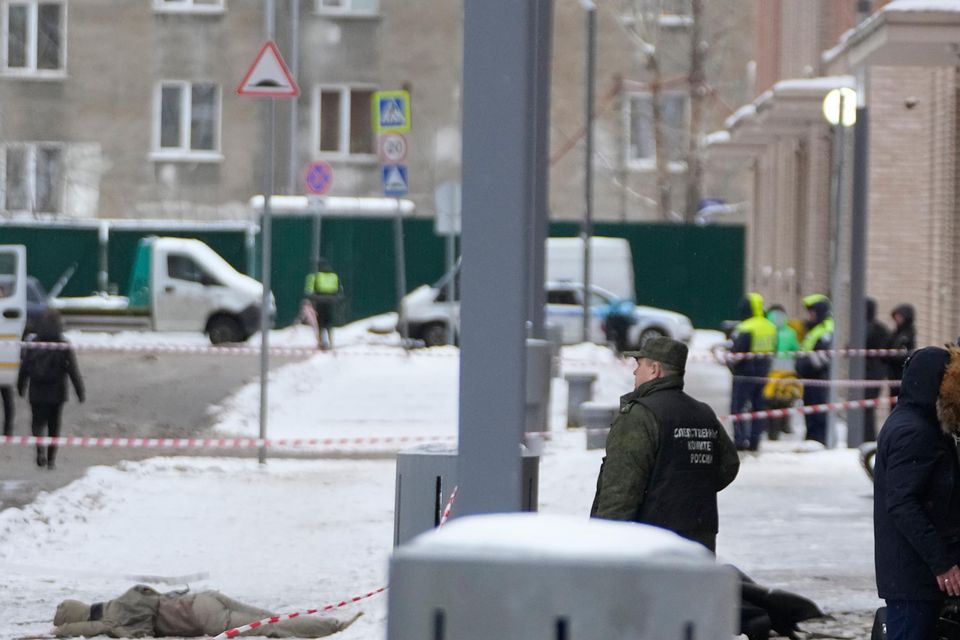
(586, 230)
(839, 109)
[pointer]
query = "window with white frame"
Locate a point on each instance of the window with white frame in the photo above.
(642, 151)
(342, 119)
(34, 37)
(194, 6)
(32, 175)
(187, 120)
(348, 7)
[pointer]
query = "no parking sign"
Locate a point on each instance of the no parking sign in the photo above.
(318, 177)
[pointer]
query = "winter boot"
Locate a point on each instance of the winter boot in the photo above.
(51, 456)
(41, 457)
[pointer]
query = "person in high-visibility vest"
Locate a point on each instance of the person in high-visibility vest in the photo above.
(754, 335)
(322, 288)
(816, 365)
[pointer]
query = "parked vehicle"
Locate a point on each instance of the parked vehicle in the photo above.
(13, 309)
(565, 309)
(176, 284)
(428, 313)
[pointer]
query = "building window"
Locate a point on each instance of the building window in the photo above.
(32, 177)
(642, 152)
(348, 7)
(34, 37)
(187, 121)
(190, 6)
(343, 124)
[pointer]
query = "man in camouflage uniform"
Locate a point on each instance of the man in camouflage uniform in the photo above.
(667, 454)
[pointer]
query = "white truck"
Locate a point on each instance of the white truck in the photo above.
(13, 309)
(428, 313)
(176, 284)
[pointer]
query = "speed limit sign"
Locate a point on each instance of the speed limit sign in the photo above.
(393, 148)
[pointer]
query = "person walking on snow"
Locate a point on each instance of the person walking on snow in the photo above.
(322, 288)
(45, 371)
(904, 337)
(878, 337)
(667, 454)
(814, 365)
(782, 389)
(753, 335)
(916, 497)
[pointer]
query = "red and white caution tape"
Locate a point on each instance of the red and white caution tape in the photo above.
(811, 408)
(849, 353)
(216, 443)
(449, 507)
(233, 633)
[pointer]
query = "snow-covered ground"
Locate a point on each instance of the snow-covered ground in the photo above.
(299, 533)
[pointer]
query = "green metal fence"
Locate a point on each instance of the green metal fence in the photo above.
(696, 270)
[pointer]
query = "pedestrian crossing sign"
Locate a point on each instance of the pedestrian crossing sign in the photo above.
(391, 111)
(394, 178)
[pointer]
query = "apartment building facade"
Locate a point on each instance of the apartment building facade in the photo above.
(127, 109)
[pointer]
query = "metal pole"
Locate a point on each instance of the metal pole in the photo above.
(499, 93)
(539, 124)
(294, 103)
(587, 229)
(836, 285)
(858, 258)
(316, 248)
(103, 240)
(266, 241)
(401, 269)
(451, 283)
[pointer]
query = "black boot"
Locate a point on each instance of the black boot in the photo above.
(41, 457)
(51, 455)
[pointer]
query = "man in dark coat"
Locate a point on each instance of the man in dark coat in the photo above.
(45, 370)
(916, 504)
(904, 337)
(878, 337)
(667, 454)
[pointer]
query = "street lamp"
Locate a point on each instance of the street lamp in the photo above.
(840, 110)
(587, 229)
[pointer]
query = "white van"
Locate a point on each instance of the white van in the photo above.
(13, 309)
(428, 313)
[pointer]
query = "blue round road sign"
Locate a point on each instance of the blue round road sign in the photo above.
(319, 177)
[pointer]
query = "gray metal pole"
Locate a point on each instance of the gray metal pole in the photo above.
(858, 259)
(316, 248)
(499, 93)
(103, 245)
(266, 241)
(401, 268)
(836, 284)
(452, 282)
(587, 229)
(540, 204)
(293, 160)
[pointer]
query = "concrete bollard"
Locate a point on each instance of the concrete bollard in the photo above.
(426, 476)
(597, 418)
(555, 338)
(526, 576)
(538, 385)
(579, 390)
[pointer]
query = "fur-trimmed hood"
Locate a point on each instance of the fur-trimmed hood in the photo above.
(948, 400)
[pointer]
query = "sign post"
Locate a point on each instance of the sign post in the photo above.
(269, 77)
(318, 179)
(391, 119)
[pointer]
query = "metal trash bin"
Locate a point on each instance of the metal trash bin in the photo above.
(426, 476)
(579, 390)
(597, 418)
(549, 577)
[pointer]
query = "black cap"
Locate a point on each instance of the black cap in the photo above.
(670, 352)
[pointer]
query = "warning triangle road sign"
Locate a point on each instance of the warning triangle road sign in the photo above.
(268, 76)
(394, 178)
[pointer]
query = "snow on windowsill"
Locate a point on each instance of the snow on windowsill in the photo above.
(186, 156)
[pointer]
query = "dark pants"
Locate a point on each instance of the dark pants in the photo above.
(912, 619)
(7, 393)
(816, 422)
(324, 306)
(46, 421)
(747, 396)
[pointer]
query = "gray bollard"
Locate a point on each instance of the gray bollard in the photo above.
(597, 418)
(547, 577)
(538, 385)
(579, 390)
(426, 477)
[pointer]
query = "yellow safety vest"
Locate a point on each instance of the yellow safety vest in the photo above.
(322, 282)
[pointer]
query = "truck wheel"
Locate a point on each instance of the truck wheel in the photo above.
(223, 330)
(648, 334)
(434, 334)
